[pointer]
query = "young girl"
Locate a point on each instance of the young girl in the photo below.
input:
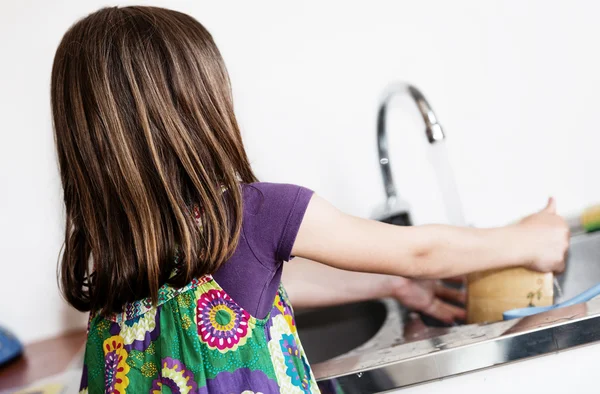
(176, 249)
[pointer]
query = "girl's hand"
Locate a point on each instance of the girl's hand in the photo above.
(548, 235)
(428, 297)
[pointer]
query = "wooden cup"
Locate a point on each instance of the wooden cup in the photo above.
(490, 293)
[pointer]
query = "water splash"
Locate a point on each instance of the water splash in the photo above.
(558, 288)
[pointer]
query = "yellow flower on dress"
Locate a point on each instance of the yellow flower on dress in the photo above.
(281, 307)
(115, 363)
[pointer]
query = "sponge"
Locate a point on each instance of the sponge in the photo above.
(590, 219)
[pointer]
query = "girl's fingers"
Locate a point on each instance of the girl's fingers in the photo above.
(456, 312)
(456, 279)
(445, 312)
(437, 310)
(450, 294)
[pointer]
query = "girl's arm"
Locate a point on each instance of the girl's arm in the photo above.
(331, 237)
(312, 285)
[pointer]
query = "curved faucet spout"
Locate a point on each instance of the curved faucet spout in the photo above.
(433, 130)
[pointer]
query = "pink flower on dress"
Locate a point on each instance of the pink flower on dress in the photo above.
(222, 324)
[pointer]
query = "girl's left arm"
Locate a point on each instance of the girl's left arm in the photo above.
(312, 285)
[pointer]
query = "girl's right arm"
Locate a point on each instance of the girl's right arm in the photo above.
(538, 242)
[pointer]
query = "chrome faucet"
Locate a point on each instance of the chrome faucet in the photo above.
(396, 211)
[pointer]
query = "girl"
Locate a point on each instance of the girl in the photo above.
(176, 249)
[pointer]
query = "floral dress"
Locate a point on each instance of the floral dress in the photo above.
(196, 340)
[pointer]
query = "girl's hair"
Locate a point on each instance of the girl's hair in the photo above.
(147, 143)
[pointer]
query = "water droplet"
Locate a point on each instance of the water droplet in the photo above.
(360, 374)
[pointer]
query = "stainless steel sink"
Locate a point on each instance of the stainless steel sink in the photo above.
(404, 351)
(330, 332)
(583, 266)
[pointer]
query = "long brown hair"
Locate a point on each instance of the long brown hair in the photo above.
(145, 133)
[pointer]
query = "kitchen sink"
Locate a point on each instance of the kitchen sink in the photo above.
(583, 266)
(330, 332)
(406, 351)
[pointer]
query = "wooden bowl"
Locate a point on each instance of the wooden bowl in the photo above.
(490, 293)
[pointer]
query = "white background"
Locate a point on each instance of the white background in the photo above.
(513, 82)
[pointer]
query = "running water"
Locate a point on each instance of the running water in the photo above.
(445, 177)
(558, 288)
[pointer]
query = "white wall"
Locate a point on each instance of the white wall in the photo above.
(513, 82)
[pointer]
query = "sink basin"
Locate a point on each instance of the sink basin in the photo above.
(330, 332)
(583, 266)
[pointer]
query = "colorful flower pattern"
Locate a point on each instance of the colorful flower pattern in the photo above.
(297, 367)
(203, 344)
(282, 307)
(165, 294)
(222, 324)
(176, 377)
(115, 366)
(138, 333)
(292, 370)
(243, 381)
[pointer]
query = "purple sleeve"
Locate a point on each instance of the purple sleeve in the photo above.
(273, 214)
